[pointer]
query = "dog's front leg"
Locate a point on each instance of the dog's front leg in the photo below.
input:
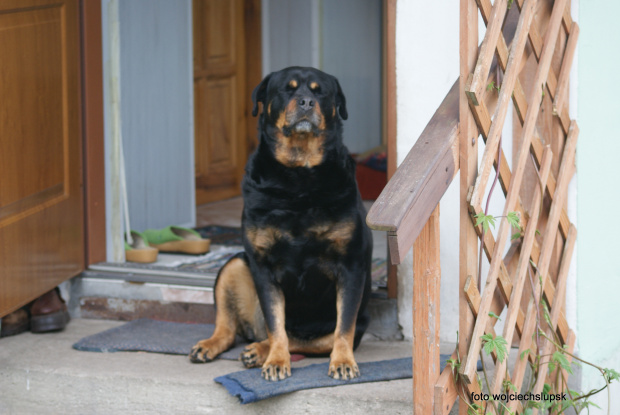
(342, 363)
(277, 366)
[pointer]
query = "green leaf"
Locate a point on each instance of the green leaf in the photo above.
(474, 409)
(537, 232)
(485, 220)
(509, 385)
(515, 236)
(546, 311)
(611, 375)
(491, 86)
(514, 220)
(525, 353)
(561, 359)
(492, 314)
(497, 344)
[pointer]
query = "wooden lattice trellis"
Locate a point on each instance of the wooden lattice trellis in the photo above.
(408, 206)
(474, 81)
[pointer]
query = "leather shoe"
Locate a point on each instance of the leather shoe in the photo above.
(14, 323)
(48, 313)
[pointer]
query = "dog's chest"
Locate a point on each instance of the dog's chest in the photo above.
(316, 239)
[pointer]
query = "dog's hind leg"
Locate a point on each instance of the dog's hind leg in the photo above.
(238, 311)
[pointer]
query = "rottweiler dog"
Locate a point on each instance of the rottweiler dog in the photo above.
(303, 282)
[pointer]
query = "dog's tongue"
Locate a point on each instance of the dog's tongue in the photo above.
(303, 127)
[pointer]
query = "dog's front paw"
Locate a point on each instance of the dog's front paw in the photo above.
(342, 364)
(255, 354)
(277, 366)
(204, 351)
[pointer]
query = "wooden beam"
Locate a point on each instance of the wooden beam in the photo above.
(409, 198)
(567, 62)
(487, 50)
(445, 390)
(530, 323)
(92, 133)
(536, 42)
(505, 95)
(426, 295)
(468, 162)
(514, 307)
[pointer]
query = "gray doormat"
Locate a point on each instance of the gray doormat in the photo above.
(154, 336)
(249, 386)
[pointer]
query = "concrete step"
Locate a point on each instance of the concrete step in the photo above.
(97, 294)
(42, 374)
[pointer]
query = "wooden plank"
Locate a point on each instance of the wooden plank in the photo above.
(389, 111)
(570, 343)
(483, 120)
(487, 50)
(445, 390)
(536, 150)
(518, 95)
(524, 345)
(93, 127)
(567, 62)
(546, 346)
(536, 42)
(406, 202)
(468, 162)
(390, 84)
(514, 307)
(547, 248)
(505, 94)
(469, 367)
(426, 295)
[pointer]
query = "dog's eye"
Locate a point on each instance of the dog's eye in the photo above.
(293, 84)
(314, 87)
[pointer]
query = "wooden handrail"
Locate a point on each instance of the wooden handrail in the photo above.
(421, 180)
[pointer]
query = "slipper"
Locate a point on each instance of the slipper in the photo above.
(177, 239)
(139, 250)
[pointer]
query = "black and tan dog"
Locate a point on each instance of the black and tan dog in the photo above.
(303, 282)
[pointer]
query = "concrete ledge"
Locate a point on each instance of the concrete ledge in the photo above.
(43, 374)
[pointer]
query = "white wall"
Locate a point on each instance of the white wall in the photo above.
(425, 71)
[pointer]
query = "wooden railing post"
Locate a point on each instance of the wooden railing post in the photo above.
(426, 289)
(468, 163)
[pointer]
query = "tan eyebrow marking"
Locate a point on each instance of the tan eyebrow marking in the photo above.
(314, 85)
(293, 83)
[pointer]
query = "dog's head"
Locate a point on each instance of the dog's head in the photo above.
(302, 108)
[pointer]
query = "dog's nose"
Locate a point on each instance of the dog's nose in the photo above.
(305, 103)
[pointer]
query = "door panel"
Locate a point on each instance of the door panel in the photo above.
(41, 206)
(219, 98)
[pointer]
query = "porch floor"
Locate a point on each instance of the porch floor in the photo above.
(43, 374)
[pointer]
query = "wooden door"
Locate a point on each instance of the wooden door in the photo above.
(220, 98)
(41, 204)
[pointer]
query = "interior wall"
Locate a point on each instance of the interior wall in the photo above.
(340, 37)
(155, 99)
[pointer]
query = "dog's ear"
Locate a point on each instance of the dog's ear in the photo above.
(341, 102)
(260, 94)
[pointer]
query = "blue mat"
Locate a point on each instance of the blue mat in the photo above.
(154, 336)
(249, 386)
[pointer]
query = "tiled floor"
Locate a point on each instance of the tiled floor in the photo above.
(228, 213)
